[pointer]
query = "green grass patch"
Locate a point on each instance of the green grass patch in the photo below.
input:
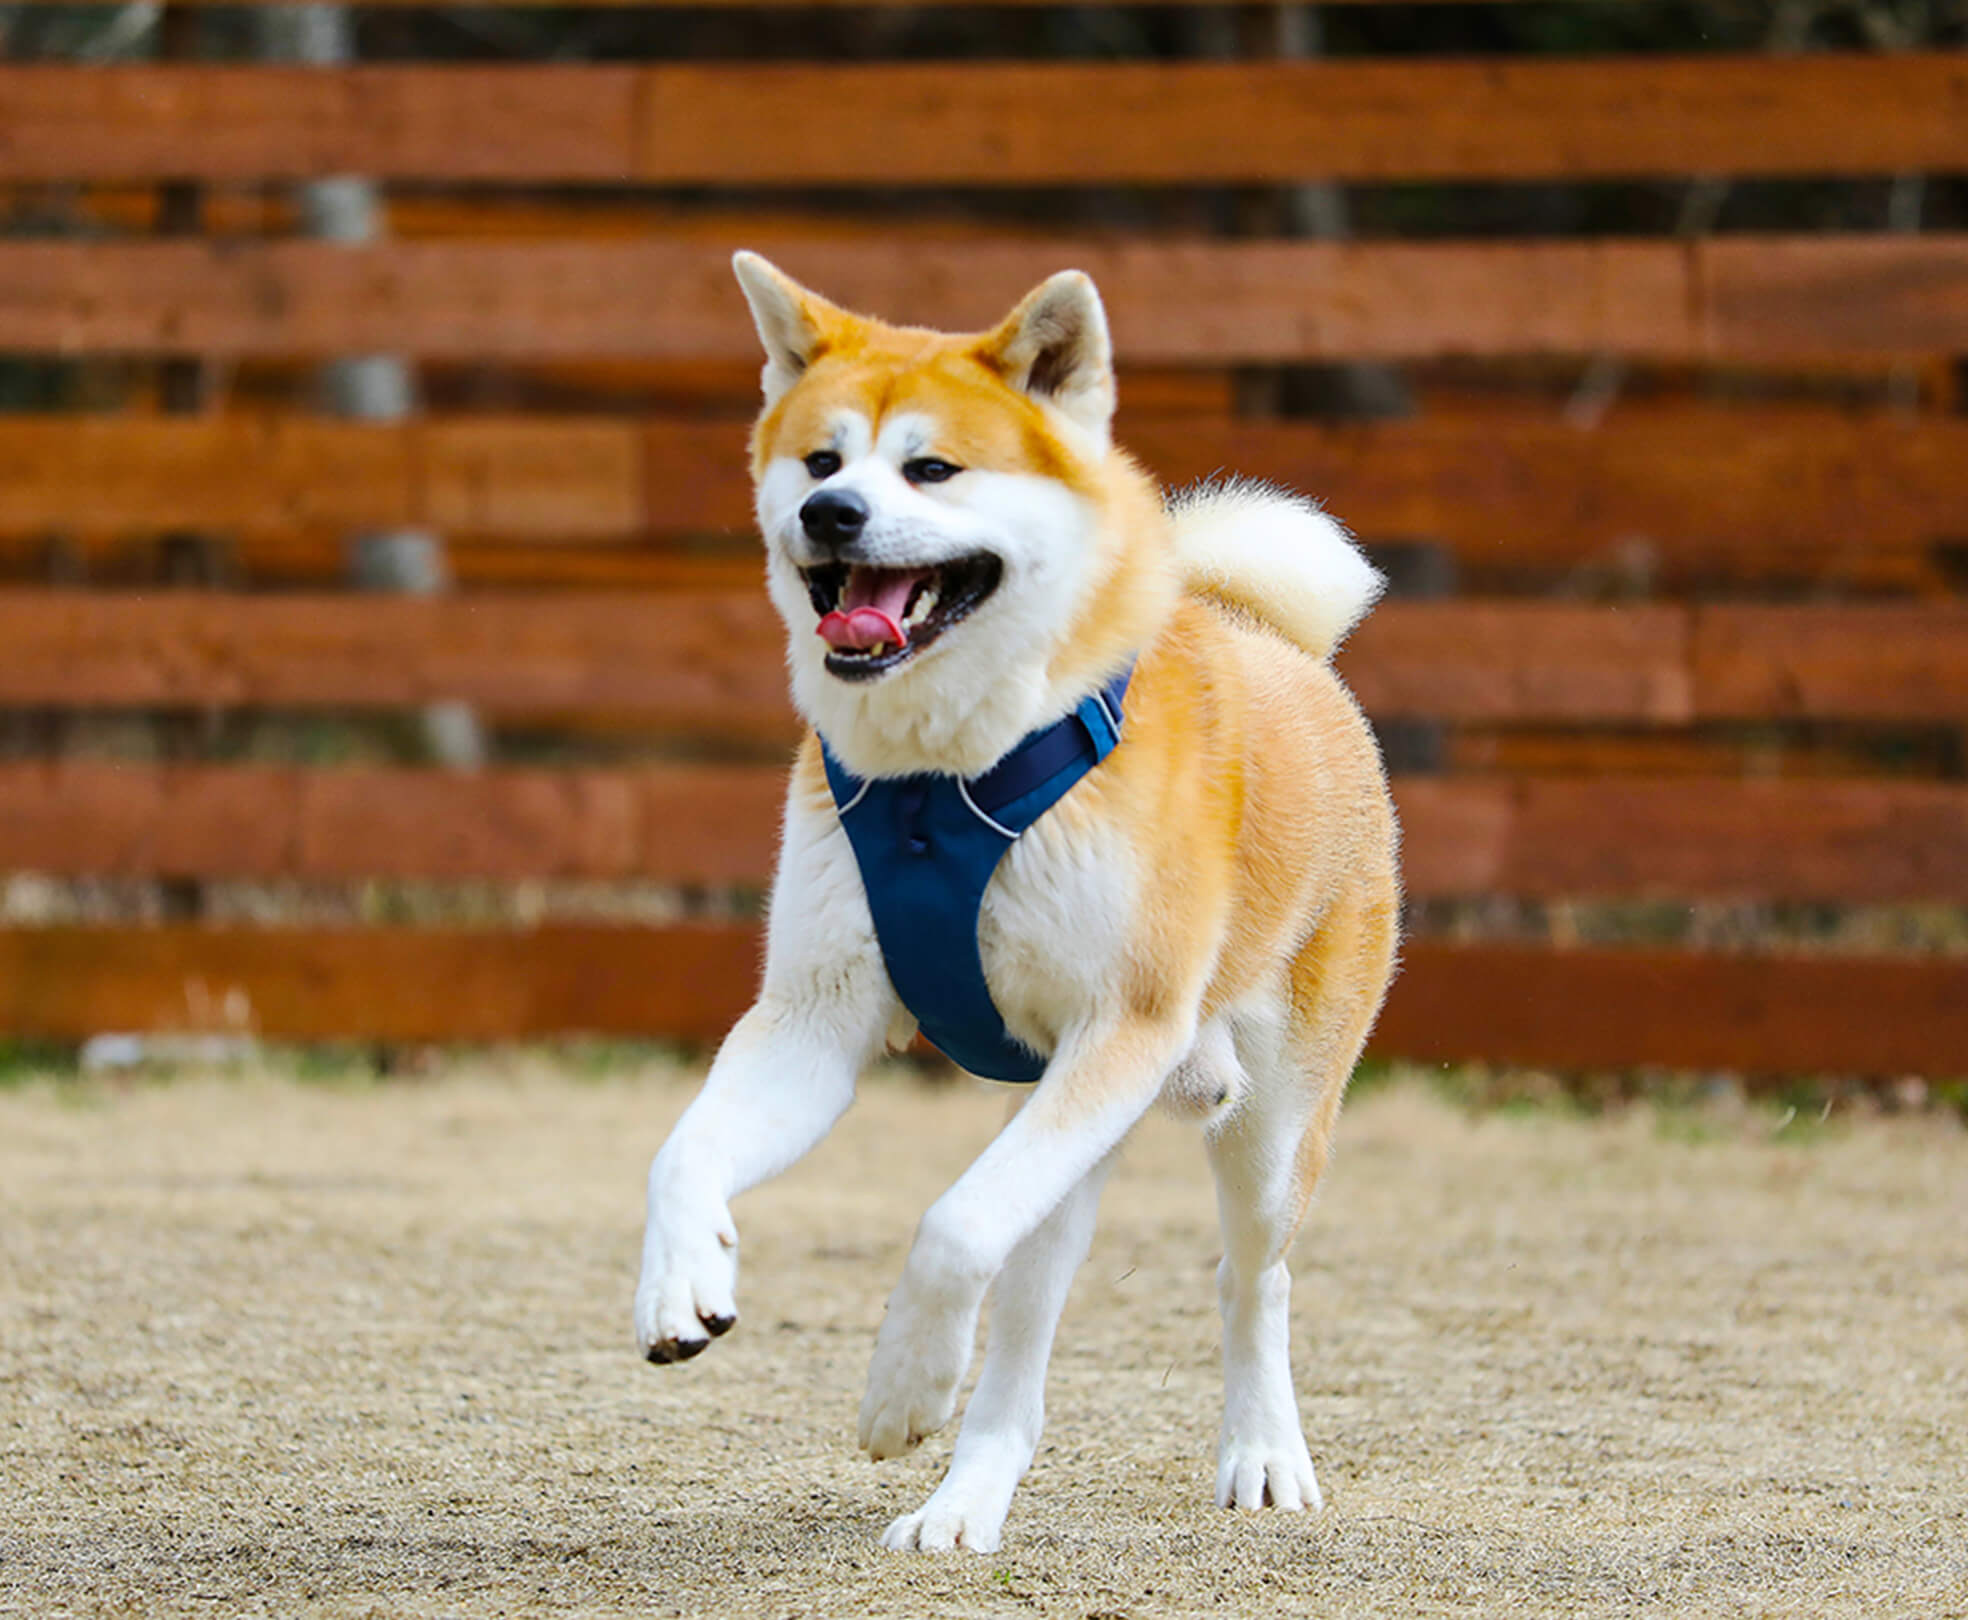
(24, 1062)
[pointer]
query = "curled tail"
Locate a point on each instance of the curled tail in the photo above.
(1277, 557)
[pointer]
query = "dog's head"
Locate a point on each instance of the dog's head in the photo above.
(945, 521)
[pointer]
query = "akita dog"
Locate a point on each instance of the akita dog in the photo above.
(1084, 799)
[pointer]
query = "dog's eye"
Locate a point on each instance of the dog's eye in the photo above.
(823, 463)
(928, 470)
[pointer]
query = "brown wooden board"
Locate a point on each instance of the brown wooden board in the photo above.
(694, 824)
(1172, 301)
(1520, 1004)
(523, 124)
(1195, 301)
(1477, 660)
(559, 478)
(1689, 483)
(998, 123)
(710, 661)
(1616, 1009)
(1200, 301)
(318, 560)
(1756, 752)
(1857, 662)
(1832, 296)
(1686, 480)
(1854, 841)
(406, 984)
(95, 474)
(1864, 841)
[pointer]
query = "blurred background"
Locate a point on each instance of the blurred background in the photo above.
(382, 658)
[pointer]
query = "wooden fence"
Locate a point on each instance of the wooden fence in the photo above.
(1800, 514)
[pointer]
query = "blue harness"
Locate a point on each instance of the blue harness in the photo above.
(927, 846)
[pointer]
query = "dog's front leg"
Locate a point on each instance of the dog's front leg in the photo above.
(1101, 1081)
(785, 1073)
(781, 1080)
(1006, 1415)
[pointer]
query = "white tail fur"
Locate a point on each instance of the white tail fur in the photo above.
(1275, 556)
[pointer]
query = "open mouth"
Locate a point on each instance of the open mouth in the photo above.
(874, 619)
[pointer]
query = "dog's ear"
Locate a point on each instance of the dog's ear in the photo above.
(1055, 347)
(789, 318)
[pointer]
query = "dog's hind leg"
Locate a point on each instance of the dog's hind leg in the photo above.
(1001, 1426)
(1268, 1154)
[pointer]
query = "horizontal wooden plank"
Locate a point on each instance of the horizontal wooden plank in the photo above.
(1563, 1009)
(1759, 297)
(290, 563)
(710, 661)
(1860, 662)
(688, 824)
(524, 124)
(1864, 841)
(1493, 661)
(1692, 484)
(1617, 1009)
(570, 479)
(384, 984)
(1195, 301)
(1689, 482)
(321, 560)
(1854, 841)
(696, 661)
(511, 300)
(102, 474)
(1757, 753)
(995, 123)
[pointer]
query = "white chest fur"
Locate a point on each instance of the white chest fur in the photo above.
(1054, 927)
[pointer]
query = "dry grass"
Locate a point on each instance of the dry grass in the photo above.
(272, 1348)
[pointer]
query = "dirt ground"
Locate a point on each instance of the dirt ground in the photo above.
(286, 1348)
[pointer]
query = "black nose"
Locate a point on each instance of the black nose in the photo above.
(834, 517)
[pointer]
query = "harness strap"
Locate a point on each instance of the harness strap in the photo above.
(927, 847)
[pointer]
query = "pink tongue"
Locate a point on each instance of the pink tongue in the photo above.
(871, 609)
(864, 627)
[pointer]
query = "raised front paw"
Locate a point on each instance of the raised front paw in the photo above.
(688, 1292)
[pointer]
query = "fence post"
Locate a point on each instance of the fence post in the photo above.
(369, 387)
